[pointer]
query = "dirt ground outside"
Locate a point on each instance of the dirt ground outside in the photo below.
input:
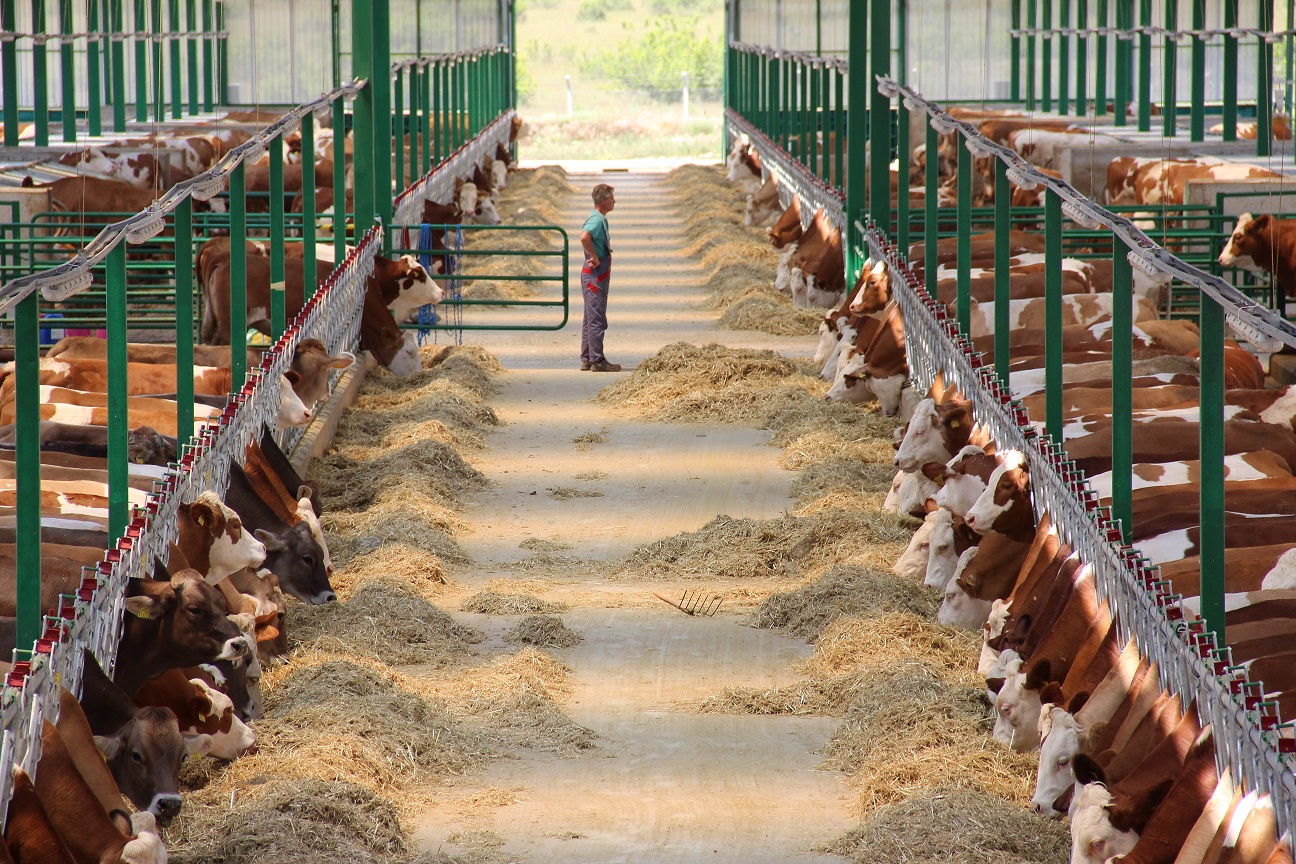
(665, 783)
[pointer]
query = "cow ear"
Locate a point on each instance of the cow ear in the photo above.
(272, 543)
(1039, 674)
(1077, 702)
(142, 607)
(936, 472)
(930, 506)
(994, 685)
(122, 822)
(108, 746)
(201, 707)
(1261, 222)
(202, 513)
(1052, 693)
(1087, 770)
(343, 360)
(294, 378)
(1133, 813)
(197, 745)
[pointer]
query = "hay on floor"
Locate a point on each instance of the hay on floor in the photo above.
(567, 493)
(843, 591)
(495, 603)
(770, 314)
(395, 565)
(543, 631)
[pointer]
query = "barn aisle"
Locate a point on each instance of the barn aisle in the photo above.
(584, 486)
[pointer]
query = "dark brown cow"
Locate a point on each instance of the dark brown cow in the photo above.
(1264, 243)
(788, 227)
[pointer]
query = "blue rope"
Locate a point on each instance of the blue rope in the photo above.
(427, 315)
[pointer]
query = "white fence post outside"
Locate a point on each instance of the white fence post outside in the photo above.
(569, 97)
(686, 97)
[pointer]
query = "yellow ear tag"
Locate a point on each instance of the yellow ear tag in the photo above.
(202, 520)
(145, 613)
(202, 718)
(954, 424)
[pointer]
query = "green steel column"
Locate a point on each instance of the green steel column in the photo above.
(785, 103)
(1122, 387)
(9, 62)
(1053, 314)
(339, 182)
(416, 123)
(773, 120)
(184, 319)
(816, 152)
(1032, 22)
(1014, 53)
(222, 56)
(1100, 62)
(117, 48)
(277, 292)
(141, 63)
(238, 275)
(931, 209)
(902, 186)
(27, 460)
(840, 119)
(1002, 271)
(428, 117)
(1197, 119)
(94, 69)
(438, 113)
(879, 114)
(1264, 80)
(964, 267)
(461, 103)
(1169, 80)
(67, 67)
(308, 204)
(1230, 71)
(177, 96)
(40, 76)
(191, 53)
(382, 107)
(398, 112)
(118, 416)
(1046, 54)
(1211, 430)
(802, 113)
(364, 115)
(1082, 60)
(1064, 58)
(208, 85)
(1145, 68)
(1124, 62)
(856, 126)
(155, 23)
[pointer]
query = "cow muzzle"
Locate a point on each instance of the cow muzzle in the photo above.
(165, 807)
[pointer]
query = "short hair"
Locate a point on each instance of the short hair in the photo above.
(601, 193)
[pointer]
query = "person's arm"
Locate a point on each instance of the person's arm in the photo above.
(587, 243)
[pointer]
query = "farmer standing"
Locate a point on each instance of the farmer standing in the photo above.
(594, 281)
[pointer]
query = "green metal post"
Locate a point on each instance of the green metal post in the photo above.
(856, 125)
(1264, 80)
(902, 186)
(1169, 78)
(879, 115)
(1046, 55)
(1053, 314)
(1230, 71)
(1032, 21)
(775, 119)
(155, 22)
(117, 49)
(1122, 388)
(786, 103)
(415, 123)
(94, 70)
(308, 203)
(1100, 62)
(840, 120)
(9, 62)
(118, 415)
(425, 127)
(1014, 53)
(208, 85)
(67, 68)
(339, 182)
(1145, 68)
(364, 115)
(382, 108)
(277, 293)
(40, 76)
(815, 152)
(931, 207)
(1003, 272)
(222, 56)
(438, 113)
(184, 330)
(1124, 62)
(1211, 431)
(238, 275)
(1197, 119)
(191, 53)
(1064, 59)
(1082, 59)
(177, 96)
(964, 268)
(27, 459)
(141, 63)
(398, 112)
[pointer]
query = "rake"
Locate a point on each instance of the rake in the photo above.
(694, 602)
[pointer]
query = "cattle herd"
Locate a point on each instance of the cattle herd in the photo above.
(195, 635)
(1127, 761)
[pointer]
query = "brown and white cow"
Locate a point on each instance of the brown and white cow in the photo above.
(1264, 244)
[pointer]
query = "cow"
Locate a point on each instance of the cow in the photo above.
(77, 196)
(381, 336)
(1264, 244)
(1044, 147)
(29, 834)
(787, 228)
(204, 714)
(762, 204)
(141, 170)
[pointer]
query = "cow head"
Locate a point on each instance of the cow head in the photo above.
(923, 441)
(146, 446)
(231, 548)
(1017, 705)
(1104, 826)
(240, 679)
(943, 558)
(990, 660)
(313, 365)
(306, 513)
(298, 561)
(887, 388)
(1005, 504)
(913, 563)
(466, 197)
(499, 175)
(1060, 737)
(1249, 243)
(145, 757)
(892, 500)
(484, 212)
(233, 738)
(292, 411)
(414, 285)
(184, 619)
(913, 494)
(960, 607)
(963, 479)
(873, 290)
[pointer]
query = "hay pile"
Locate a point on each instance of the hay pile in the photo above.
(543, 631)
(532, 197)
(567, 493)
(495, 603)
(728, 548)
(843, 591)
(395, 565)
(947, 825)
(738, 262)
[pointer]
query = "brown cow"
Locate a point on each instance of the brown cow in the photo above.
(1264, 244)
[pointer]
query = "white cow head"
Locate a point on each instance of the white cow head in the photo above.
(828, 339)
(416, 288)
(1093, 837)
(960, 491)
(234, 547)
(1017, 710)
(95, 161)
(893, 494)
(912, 498)
(483, 212)
(923, 442)
(887, 390)
(1059, 743)
(990, 663)
(499, 174)
(406, 361)
(913, 563)
(982, 515)
(783, 273)
(943, 560)
(959, 608)
(292, 411)
(240, 740)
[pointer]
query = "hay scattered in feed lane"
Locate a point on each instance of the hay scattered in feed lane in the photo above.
(532, 197)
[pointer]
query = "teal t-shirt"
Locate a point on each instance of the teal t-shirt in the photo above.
(597, 226)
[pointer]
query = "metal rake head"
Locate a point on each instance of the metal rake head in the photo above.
(695, 602)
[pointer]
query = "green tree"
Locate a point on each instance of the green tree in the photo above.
(652, 61)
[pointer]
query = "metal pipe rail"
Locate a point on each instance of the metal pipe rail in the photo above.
(438, 183)
(792, 177)
(1247, 739)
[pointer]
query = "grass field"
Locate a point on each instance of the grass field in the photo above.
(609, 118)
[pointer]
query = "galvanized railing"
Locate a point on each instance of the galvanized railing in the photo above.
(438, 184)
